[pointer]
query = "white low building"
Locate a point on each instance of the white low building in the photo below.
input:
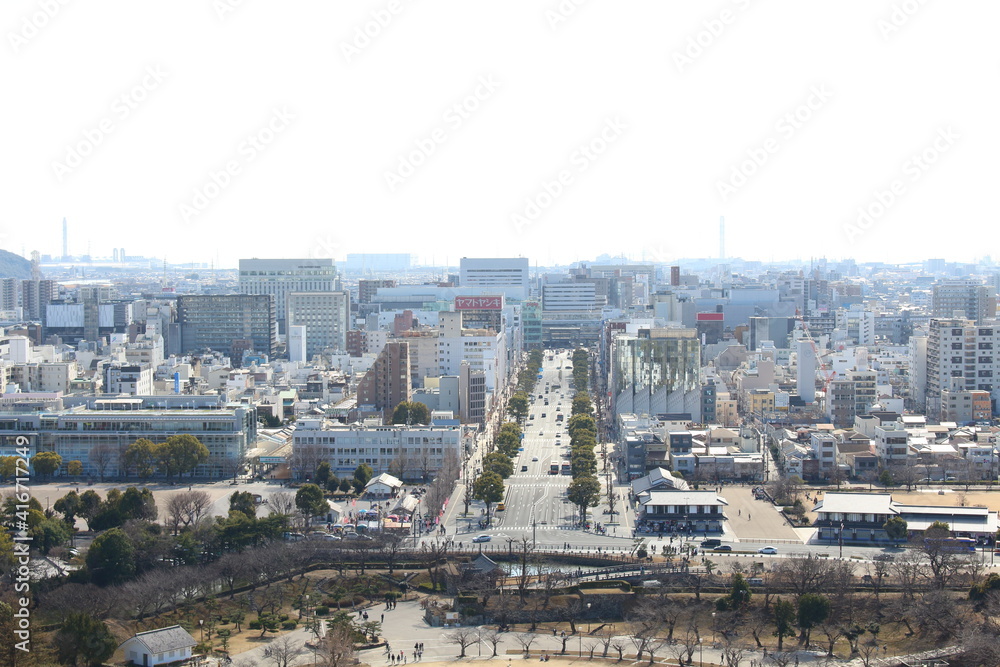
(159, 647)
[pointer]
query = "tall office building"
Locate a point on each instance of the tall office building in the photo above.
(508, 276)
(218, 321)
(387, 382)
(281, 277)
(971, 298)
(325, 316)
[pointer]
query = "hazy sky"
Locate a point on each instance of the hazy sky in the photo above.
(552, 130)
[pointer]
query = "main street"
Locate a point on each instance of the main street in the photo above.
(535, 500)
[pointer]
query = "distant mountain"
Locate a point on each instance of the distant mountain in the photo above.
(14, 266)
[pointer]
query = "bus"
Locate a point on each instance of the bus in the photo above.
(567, 468)
(959, 545)
(554, 468)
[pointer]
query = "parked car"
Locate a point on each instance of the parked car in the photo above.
(482, 538)
(767, 550)
(501, 507)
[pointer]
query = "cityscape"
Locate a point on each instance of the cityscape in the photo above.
(493, 427)
(376, 333)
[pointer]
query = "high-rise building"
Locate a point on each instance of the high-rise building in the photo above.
(9, 293)
(216, 321)
(325, 316)
(35, 295)
(509, 276)
(958, 348)
(281, 277)
(387, 382)
(964, 298)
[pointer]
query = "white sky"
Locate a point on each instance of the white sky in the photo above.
(677, 130)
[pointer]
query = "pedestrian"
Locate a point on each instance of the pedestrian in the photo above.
(383, 617)
(748, 516)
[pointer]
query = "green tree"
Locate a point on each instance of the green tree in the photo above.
(488, 488)
(584, 492)
(323, 473)
(362, 475)
(74, 468)
(8, 467)
(813, 610)
(84, 640)
(243, 501)
(582, 404)
(739, 594)
(69, 506)
(411, 412)
(90, 505)
(885, 478)
(141, 457)
(896, 528)
(181, 453)
(498, 463)
(46, 463)
(49, 533)
(111, 558)
(518, 405)
(507, 444)
(583, 462)
(783, 613)
(345, 485)
(137, 504)
(310, 501)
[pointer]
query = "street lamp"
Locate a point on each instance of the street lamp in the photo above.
(588, 618)
(701, 652)
(713, 627)
(201, 624)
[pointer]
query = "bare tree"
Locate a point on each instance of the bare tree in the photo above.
(910, 570)
(526, 639)
(732, 652)
(807, 575)
(619, 644)
(186, 509)
(282, 651)
(492, 636)
(101, 456)
(337, 648)
(464, 637)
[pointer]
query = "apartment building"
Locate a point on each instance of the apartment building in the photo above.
(281, 277)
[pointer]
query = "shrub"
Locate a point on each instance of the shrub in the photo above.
(254, 625)
(288, 625)
(322, 611)
(283, 617)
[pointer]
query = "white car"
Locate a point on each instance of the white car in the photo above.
(534, 458)
(482, 538)
(767, 550)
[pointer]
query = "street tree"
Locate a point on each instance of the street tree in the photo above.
(584, 492)
(186, 509)
(518, 406)
(489, 489)
(74, 468)
(498, 463)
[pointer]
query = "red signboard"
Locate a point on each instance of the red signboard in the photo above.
(479, 303)
(711, 317)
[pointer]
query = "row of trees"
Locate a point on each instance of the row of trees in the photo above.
(585, 490)
(498, 465)
(581, 369)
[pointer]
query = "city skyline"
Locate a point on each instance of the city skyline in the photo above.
(629, 131)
